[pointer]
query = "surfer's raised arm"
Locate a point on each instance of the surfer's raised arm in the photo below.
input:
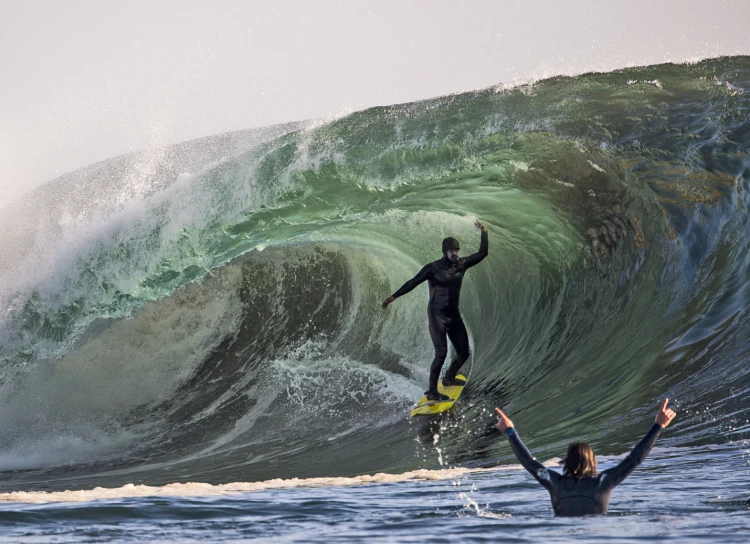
(580, 491)
(535, 468)
(422, 276)
(615, 475)
(479, 256)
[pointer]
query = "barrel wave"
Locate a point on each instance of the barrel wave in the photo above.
(211, 311)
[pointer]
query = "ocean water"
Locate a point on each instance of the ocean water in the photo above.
(191, 343)
(678, 495)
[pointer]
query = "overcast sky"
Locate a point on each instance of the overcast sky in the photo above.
(83, 81)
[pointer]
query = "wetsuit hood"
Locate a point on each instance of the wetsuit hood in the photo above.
(450, 243)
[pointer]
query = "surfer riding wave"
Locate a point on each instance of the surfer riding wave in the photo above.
(445, 277)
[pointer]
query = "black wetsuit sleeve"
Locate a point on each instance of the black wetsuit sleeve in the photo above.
(422, 276)
(477, 257)
(615, 475)
(535, 468)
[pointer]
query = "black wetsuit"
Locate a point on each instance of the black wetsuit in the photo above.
(445, 278)
(582, 496)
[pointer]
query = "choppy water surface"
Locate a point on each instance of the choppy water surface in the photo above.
(679, 495)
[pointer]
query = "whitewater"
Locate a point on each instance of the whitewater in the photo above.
(192, 344)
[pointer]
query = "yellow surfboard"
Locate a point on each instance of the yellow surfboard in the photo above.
(433, 407)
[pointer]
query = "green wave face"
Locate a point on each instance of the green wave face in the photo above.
(220, 307)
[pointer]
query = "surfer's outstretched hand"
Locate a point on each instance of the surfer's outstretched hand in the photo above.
(665, 415)
(480, 225)
(503, 422)
(387, 301)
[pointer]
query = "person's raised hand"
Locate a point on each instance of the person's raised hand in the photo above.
(480, 225)
(665, 415)
(503, 422)
(387, 301)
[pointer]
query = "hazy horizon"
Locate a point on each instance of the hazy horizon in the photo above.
(86, 82)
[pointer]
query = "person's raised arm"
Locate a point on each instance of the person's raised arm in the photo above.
(615, 475)
(421, 276)
(535, 468)
(479, 256)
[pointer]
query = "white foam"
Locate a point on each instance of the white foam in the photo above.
(654, 83)
(72, 412)
(194, 489)
(472, 506)
(83, 255)
(520, 165)
(318, 383)
(597, 167)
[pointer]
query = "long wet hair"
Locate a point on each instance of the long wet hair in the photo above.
(580, 461)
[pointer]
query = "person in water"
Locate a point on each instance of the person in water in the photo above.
(444, 277)
(580, 491)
